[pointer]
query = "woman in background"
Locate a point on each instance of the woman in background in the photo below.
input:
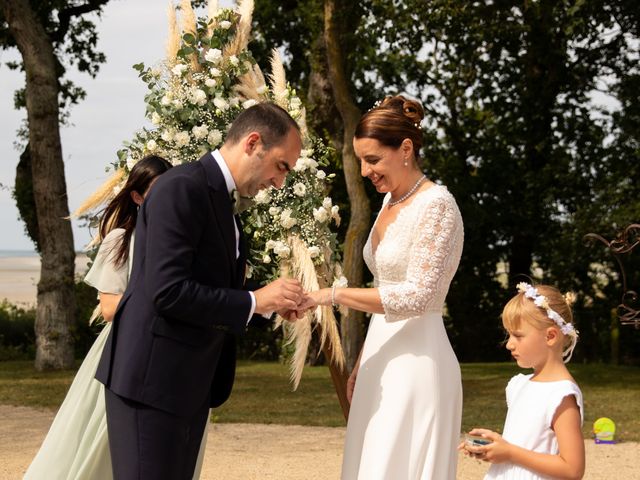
(77, 447)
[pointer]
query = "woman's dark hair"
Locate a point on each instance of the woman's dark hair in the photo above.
(392, 120)
(122, 211)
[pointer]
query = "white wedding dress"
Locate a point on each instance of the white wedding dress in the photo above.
(77, 445)
(404, 422)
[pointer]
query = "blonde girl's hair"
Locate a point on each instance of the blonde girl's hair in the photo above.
(521, 308)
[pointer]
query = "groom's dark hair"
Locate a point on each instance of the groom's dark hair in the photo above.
(272, 122)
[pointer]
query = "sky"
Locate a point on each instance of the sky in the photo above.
(130, 31)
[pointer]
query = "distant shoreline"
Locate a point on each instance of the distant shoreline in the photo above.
(20, 273)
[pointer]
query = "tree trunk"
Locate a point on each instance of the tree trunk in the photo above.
(352, 327)
(56, 300)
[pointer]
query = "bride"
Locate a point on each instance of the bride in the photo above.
(406, 405)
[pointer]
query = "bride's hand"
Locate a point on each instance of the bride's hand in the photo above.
(315, 298)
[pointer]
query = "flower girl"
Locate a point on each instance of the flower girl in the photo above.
(542, 435)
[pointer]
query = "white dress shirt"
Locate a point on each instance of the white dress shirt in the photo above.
(231, 186)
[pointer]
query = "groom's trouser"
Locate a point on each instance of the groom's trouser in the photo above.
(150, 444)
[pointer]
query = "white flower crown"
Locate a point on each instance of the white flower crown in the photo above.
(541, 301)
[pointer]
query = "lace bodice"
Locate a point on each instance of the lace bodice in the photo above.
(418, 256)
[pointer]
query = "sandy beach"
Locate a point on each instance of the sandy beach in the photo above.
(19, 276)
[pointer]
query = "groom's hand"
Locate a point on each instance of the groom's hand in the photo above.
(282, 295)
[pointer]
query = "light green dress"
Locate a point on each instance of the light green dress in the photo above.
(77, 446)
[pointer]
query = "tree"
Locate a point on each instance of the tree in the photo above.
(513, 131)
(43, 32)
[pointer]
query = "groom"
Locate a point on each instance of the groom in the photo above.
(171, 353)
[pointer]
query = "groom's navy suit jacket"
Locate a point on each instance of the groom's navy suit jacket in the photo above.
(172, 343)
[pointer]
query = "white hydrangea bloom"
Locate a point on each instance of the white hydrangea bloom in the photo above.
(200, 131)
(182, 139)
(214, 138)
(295, 103)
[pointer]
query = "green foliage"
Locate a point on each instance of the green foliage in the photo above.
(17, 337)
(74, 39)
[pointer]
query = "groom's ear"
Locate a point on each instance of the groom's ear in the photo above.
(251, 142)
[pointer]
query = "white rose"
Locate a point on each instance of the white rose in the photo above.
(270, 245)
(214, 138)
(266, 259)
(177, 104)
(152, 145)
(327, 203)
(320, 214)
(213, 55)
(233, 60)
(165, 101)
(200, 131)
(179, 69)
(215, 72)
(221, 103)
(262, 196)
(299, 189)
(273, 211)
(156, 118)
(286, 220)
(306, 152)
(281, 250)
(210, 82)
(249, 103)
(301, 164)
(199, 97)
(225, 24)
(182, 139)
(313, 251)
(320, 175)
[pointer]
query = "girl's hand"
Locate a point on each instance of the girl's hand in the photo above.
(498, 451)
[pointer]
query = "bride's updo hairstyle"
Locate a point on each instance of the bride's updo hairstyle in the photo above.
(391, 120)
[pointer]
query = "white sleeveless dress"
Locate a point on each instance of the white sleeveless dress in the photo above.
(404, 422)
(532, 406)
(77, 446)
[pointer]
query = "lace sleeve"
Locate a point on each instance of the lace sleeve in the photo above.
(434, 240)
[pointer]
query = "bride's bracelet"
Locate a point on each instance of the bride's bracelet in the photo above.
(333, 296)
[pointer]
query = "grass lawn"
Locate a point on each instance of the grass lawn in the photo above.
(262, 394)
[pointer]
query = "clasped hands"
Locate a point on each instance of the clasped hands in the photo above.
(286, 297)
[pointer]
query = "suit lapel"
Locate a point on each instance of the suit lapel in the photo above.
(242, 258)
(221, 204)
